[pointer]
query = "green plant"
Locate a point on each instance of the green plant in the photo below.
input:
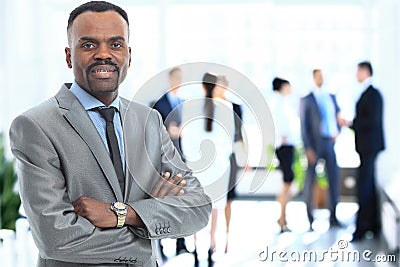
(299, 166)
(9, 199)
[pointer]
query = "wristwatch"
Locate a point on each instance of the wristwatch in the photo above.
(120, 209)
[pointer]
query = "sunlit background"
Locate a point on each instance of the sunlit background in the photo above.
(259, 38)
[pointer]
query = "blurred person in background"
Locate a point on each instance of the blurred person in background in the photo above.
(369, 138)
(170, 107)
(207, 140)
(219, 92)
(320, 125)
(286, 126)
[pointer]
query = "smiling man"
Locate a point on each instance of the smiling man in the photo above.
(100, 179)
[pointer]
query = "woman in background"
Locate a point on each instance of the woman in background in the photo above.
(285, 121)
(207, 139)
(219, 92)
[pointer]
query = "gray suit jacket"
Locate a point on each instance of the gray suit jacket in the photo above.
(61, 157)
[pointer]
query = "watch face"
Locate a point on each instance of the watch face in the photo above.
(119, 206)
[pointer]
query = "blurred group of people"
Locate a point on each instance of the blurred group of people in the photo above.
(317, 121)
(320, 125)
(204, 131)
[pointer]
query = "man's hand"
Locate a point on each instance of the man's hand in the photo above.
(97, 212)
(169, 186)
(311, 156)
(343, 122)
(174, 130)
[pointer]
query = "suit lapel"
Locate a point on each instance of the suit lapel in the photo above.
(82, 124)
(129, 124)
(169, 106)
(316, 106)
(363, 96)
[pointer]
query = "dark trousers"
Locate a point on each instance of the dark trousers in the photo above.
(326, 152)
(368, 213)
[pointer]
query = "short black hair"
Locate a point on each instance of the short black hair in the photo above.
(95, 6)
(366, 65)
(277, 83)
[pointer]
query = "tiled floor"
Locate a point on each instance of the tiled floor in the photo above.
(254, 240)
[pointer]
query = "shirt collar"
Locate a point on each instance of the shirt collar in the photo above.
(88, 101)
(366, 83)
(174, 100)
(317, 91)
(172, 97)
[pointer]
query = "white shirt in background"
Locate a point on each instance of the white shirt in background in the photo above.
(284, 110)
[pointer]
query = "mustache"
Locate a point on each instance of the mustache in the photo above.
(101, 62)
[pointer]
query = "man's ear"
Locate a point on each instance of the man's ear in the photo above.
(130, 56)
(68, 57)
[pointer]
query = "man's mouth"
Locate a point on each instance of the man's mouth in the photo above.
(103, 71)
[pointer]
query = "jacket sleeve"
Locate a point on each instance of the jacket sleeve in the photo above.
(305, 128)
(173, 216)
(337, 110)
(58, 232)
(369, 116)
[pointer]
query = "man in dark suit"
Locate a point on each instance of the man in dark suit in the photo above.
(368, 128)
(169, 106)
(319, 115)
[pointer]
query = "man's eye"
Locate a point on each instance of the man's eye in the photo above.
(117, 45)
(87, 46)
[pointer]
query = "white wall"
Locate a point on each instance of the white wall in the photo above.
(261, 41)
(388, 68)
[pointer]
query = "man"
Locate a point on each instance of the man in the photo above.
(368, 128)
(319, 116)
(93, 193)
(169, 106)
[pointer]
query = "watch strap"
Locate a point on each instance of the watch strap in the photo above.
(121, 213)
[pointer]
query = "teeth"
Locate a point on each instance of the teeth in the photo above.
(103, 71)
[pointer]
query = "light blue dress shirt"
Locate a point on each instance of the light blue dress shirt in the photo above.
(328, 113)
(175, 103)
(90, 103)
(173, 100)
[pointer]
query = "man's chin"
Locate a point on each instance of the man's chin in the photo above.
(103, 87)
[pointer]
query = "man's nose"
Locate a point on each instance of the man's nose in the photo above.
(103, 52)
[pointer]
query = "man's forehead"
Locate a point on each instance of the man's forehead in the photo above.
(110, 21)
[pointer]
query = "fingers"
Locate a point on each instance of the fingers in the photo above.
(156, 190)
(177, 190)
(79, 206)
(169, 186)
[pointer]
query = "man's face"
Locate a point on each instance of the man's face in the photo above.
(175, 80)
(99, 54)
(318, 78)
(362, 74)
